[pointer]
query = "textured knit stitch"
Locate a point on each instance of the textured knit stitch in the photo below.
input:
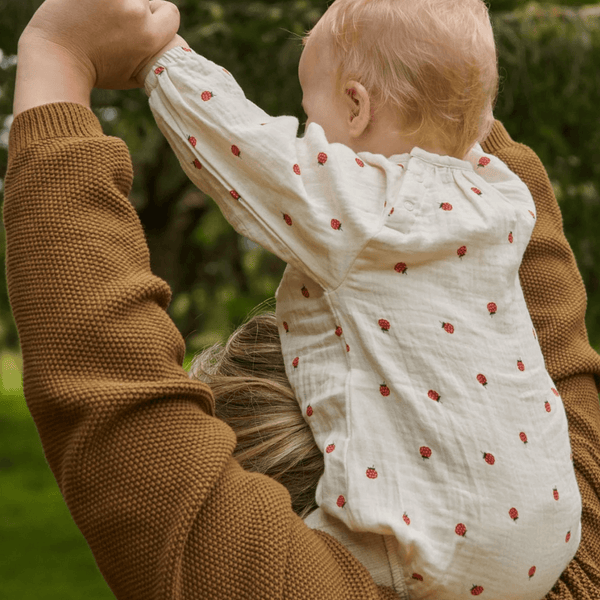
(381, 251)
(144, 468)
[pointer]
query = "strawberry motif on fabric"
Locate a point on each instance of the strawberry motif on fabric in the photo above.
(404, 332)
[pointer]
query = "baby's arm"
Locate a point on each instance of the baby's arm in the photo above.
(303, 199)
(145, 70)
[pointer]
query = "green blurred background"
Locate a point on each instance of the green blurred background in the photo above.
(549, 99)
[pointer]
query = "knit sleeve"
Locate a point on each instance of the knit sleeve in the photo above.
(556, 299)
(145, 469)
(280, 190)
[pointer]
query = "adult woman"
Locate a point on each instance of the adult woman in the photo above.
(146, 470)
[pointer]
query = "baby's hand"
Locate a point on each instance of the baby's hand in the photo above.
(110, 41)
(143, 73)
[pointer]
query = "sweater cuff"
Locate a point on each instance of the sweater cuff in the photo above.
(49, 121)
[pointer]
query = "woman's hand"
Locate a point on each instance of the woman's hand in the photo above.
(106, 41)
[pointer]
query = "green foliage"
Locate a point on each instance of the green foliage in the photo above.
(548, 100)
(548, 61)
(43, 552)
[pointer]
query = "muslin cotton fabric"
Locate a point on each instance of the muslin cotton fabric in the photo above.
(405, 334)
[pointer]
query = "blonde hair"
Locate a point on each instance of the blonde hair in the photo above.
(253, 396)
(433, 61)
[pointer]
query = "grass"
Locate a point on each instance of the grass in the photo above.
(43, 553)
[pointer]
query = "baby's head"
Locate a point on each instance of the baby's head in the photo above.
(387, 75)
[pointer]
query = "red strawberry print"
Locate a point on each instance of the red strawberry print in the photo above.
(159, 70)
(531, 214)
(385, 325)
(206, 96)
(476, 590)
(400, 268)
(391, 212)
(555, 493)
(531, 572)
(482, 380)
(341, 501)
(478, 192)
(520, 365)
(330, 448)
(448, 327)
(309, 411)
(338, 331)
(305, 292)
(417, 576)
(347, 348)
(359, 162)
(295, 362)
(297, 169)
(489, 458)
(484, 161)
(446, 206)
(513, 513)
(433, 395)
(401, 165)
(235, 194)
(192, 140)
(461, 251)
(335, 224)
(287, 219)
(460, 529)
(523, 437)
(511, 239)
(568, 537)
(372, 473)
(547, 405)
(322, 158)
(406, 519)
(186, 49)
(425, 452)
(197, 164)
(554, 391)
(384, 390)
(492, 308)
(236, 151)
(285, 326)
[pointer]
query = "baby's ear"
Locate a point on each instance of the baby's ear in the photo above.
(358, 114)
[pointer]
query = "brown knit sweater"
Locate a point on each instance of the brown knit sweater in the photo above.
(145, 468)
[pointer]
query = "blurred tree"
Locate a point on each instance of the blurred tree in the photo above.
(550, 90)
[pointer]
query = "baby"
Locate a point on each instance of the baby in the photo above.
(404, 329)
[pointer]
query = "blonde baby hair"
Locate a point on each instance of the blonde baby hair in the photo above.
(433, 61)
(253, 396)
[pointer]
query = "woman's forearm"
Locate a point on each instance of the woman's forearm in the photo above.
(46, 73)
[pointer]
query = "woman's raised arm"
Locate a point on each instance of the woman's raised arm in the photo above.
(143, 465)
